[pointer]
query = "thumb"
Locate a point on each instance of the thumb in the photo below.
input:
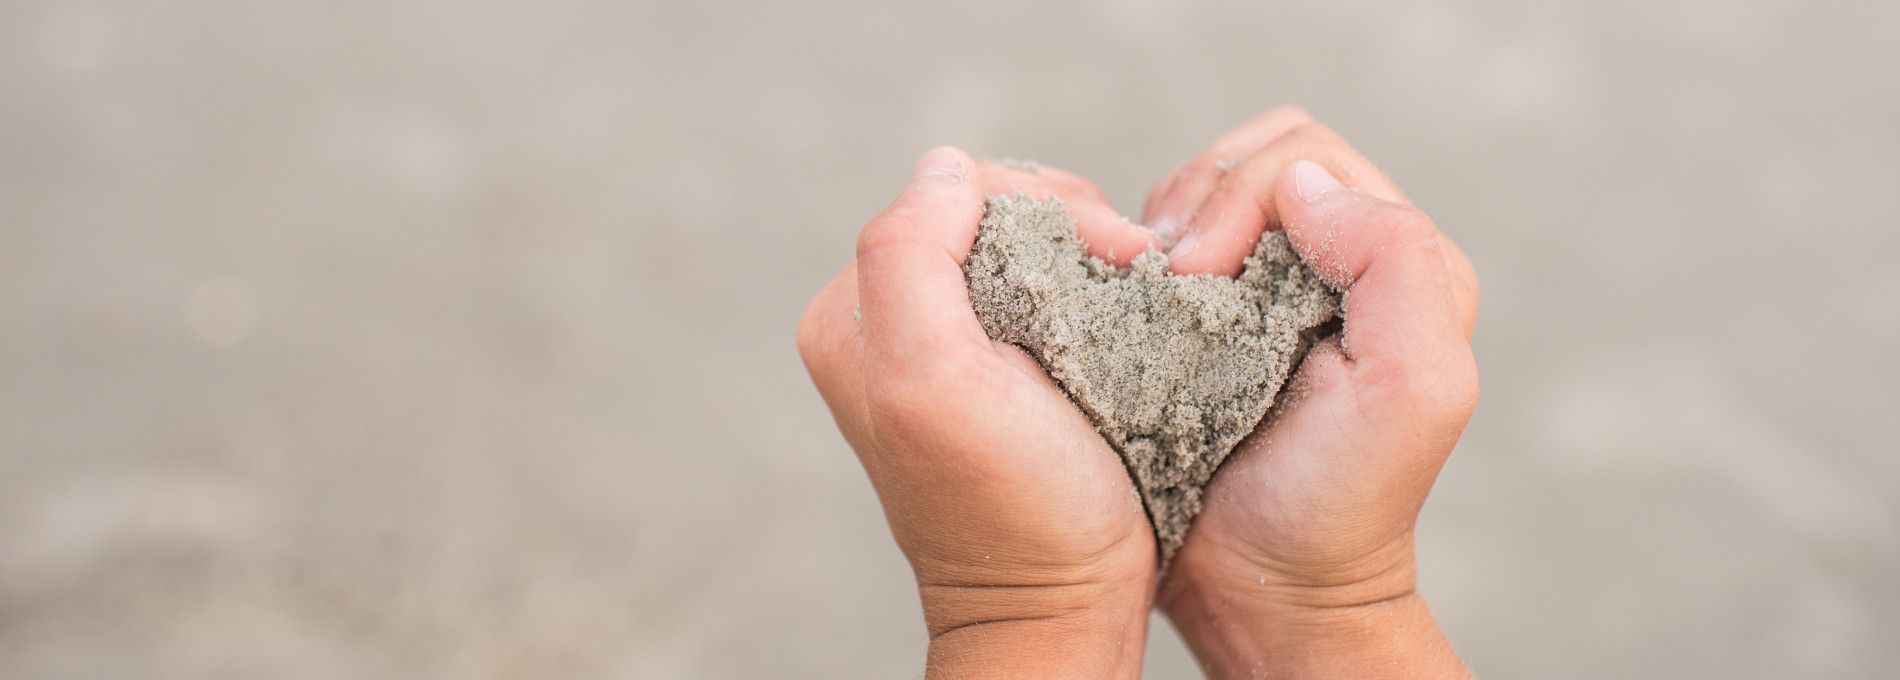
(911, 292)
(1388, 259)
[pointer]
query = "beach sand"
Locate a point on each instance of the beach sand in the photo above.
(1173, 370)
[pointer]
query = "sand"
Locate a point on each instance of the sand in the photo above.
(1173, 370)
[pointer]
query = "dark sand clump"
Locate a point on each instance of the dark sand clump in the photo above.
(1173, 370)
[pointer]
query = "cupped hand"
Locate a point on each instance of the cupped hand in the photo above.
(1029, 545)
(1302, 558)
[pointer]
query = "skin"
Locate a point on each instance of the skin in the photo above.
(1031, 552)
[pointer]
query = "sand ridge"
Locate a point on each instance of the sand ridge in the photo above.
(1173, 370)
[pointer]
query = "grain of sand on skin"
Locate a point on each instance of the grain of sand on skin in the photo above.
(1173, 370)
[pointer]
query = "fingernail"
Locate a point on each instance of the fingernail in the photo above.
(1311, 181)
(942, 162)
(1187, 244)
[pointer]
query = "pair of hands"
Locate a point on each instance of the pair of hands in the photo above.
(1031, 550)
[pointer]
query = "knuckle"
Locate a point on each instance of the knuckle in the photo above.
(1258, 171)
(870, 240)
(886, 230)
(1406, 223)
(1288, 112)
(1312, 134)
(1212, 162)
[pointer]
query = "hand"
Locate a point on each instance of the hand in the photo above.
(1030, 547)
(1301, 562)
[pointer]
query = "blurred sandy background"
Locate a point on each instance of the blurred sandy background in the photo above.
(422, 338)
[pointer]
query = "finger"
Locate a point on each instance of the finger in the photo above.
(1225, 227)
(1172, 203)
(1070, 183)
(914, 303)
(1401, 318)
(1105, 233)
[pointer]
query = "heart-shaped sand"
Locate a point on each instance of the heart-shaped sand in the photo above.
(1173, 370)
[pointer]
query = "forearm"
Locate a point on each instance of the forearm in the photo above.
(1392, 638)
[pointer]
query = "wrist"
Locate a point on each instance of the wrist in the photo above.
(1244, 617)
(1221, 577)
(1081, 631)
(1392, 638)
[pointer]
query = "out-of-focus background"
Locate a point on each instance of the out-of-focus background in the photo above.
(418, 338)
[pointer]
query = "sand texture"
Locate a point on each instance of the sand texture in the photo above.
(1173, 370)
